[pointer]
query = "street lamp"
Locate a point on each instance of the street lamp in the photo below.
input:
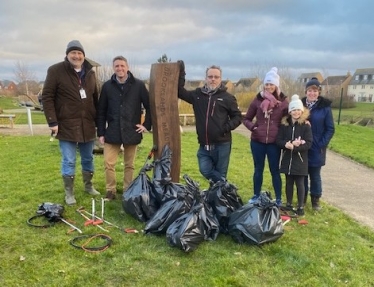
(340, 104)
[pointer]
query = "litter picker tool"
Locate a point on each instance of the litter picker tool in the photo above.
(81, 209)
(53, 135)
(71, 225)
(146, 165)
(89, 221)
(94, 217)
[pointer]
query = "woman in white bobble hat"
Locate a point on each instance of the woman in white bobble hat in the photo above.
(263, 119)
(295, 139)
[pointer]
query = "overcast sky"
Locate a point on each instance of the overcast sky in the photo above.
(327, 36)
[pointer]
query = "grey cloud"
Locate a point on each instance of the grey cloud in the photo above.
(302, 35)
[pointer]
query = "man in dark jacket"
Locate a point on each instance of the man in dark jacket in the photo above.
(69, 99)
(119, 122)
(216, 115)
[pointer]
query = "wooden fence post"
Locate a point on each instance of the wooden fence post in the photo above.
(163, 94)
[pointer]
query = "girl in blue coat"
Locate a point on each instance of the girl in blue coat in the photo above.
(322, 124)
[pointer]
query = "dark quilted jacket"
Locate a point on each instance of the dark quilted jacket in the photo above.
(119, 111)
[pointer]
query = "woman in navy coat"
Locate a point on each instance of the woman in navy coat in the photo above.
(322, 123)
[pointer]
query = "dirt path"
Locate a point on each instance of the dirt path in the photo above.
(347, 184)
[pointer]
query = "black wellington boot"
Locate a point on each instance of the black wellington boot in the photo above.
(315, 203)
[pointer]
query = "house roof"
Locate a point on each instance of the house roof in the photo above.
(246, 82)
(310, 75)
(92, 62)
(6, 83)
(361, 74)
(367, 71)
(192, 84)
(334, 80)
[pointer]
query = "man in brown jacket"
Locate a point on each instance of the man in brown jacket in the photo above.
(70, 98)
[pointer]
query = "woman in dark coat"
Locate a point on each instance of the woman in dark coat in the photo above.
(323, 129)
(295, 139)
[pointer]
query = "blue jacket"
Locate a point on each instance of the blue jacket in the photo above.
(323, 129)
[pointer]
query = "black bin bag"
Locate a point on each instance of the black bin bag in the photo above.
(189, 230)
(224, 199)
(164, 189)
(139, 200)
(170, 211)
(177, 200)
(256, 223)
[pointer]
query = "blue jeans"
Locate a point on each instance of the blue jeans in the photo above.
(213, 164)
(69, 155)
(259, 152)
(315, 182)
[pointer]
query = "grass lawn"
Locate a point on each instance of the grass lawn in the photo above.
(353, 115)
(332, 250)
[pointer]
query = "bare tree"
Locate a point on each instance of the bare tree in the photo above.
(23, 75)
(288, 84)
(105, 72)
(26, 80)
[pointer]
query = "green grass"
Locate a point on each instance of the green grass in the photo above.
(355, 142)
(333, 250)
(354, 115)
(7, 103)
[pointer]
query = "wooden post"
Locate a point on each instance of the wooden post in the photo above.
(163, 94)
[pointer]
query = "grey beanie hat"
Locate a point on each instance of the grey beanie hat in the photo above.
(74, 45)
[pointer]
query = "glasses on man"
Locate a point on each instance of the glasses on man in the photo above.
(213, 77)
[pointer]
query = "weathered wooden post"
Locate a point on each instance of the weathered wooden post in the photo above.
(163, 93)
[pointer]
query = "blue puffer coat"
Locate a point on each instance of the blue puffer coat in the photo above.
(323, 129)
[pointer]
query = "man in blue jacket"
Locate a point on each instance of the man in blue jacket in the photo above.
(119, 122)
(216, 115)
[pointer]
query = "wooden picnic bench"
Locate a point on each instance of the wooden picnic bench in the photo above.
(10, 117)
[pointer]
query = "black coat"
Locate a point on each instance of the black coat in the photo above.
(215, 114)
(120, 110)
(294, 162)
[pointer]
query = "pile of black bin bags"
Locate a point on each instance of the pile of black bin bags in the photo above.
(189, 216)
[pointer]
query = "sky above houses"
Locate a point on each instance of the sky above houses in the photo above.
(244, 37)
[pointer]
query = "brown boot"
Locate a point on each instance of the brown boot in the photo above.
(88, 186)
(315, 203)
(110, 196)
